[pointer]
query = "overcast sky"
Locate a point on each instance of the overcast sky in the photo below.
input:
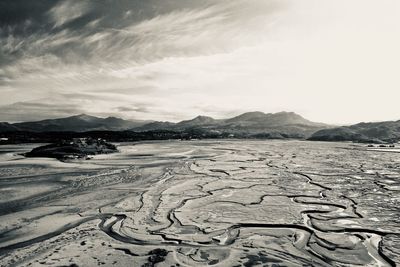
(332, 61)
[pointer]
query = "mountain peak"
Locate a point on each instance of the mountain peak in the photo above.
(254, 115)
(202, 118)
(197, 121)
(84, 116)
(287, 112)
(270, 119)
(112, 118)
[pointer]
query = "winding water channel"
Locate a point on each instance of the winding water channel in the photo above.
(200, 203)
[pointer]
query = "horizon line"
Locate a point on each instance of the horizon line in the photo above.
(177, 121)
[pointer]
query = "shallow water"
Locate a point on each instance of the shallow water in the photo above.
(198, 203)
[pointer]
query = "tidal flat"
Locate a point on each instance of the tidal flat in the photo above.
(201, 203)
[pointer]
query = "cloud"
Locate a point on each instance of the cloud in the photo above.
(68, 11)
(22, 111)
(143, 109)
(95, 56)
(174, 59)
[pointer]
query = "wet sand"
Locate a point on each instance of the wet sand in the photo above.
(200, 203)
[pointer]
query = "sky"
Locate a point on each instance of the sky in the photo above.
(331, 61)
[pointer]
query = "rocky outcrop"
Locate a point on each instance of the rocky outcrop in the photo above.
(75, 148)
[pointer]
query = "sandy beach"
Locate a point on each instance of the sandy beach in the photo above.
(199, 203)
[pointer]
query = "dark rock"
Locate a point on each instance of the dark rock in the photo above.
(75, 148)
(157, 255)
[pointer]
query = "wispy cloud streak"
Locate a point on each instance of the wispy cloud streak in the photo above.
(173, 59)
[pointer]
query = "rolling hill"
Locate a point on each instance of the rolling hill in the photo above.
(78, 123)
(254, 124)
(246, 125)
(386, 131)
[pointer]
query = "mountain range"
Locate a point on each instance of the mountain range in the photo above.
(78, 123)
(281, 124)
(247, 125)
(364, 132)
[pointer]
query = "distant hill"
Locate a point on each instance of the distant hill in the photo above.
(78, 123)
(156, 125)
(247, 125)
(7, 127)
(250, 124)
(269, 119)
(266, 120)
(387, 131)
(198, 121)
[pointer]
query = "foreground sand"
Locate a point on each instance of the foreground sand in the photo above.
(198, 203)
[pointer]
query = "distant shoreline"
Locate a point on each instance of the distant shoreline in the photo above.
(24, 137)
